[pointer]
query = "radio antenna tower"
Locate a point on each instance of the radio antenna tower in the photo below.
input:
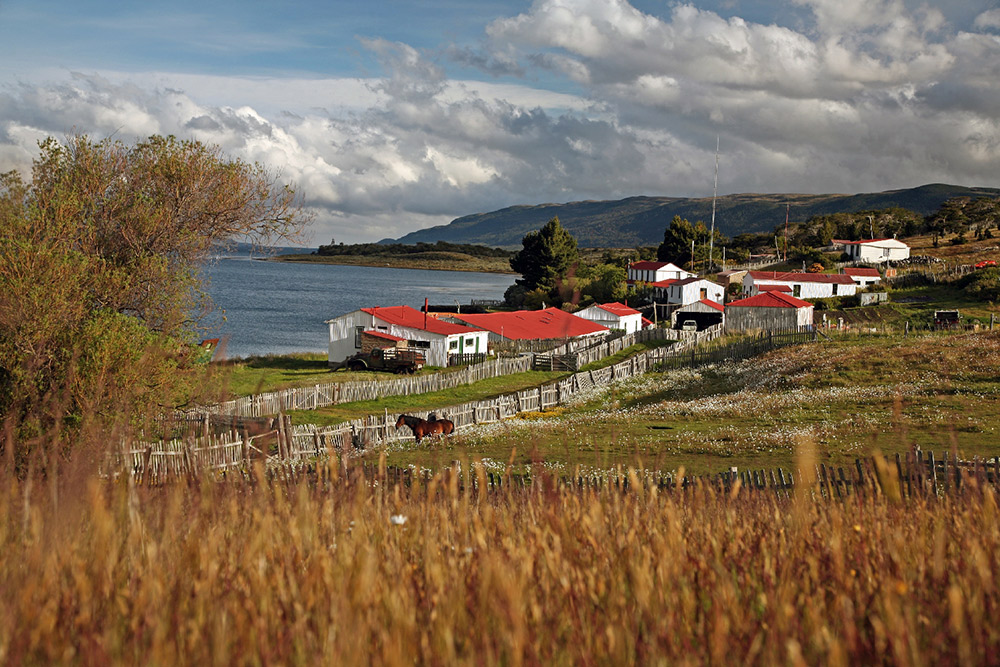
(715, 192)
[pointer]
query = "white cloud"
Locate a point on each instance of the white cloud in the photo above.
(869, 96)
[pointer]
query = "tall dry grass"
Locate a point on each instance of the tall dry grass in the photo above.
(319, 570)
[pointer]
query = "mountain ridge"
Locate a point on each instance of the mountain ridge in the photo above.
(640, 220)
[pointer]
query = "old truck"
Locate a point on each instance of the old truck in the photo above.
(390, 359)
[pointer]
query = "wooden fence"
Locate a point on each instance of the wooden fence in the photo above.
(289, 442)
(317, 396)
(322, 395)
(912, 475)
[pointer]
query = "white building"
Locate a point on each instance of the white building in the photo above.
(652, 272)
(438, 340)
(801, 285)
(862, 276)
(688, 290)
(613, 316)
(876, 250)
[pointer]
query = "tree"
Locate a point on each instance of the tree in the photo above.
(607, 283)
(677, 238)
(546, 260)
(100, 257)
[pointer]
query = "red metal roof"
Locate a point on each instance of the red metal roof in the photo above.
(647, 265)
(664, 283)
(405, 316)
(800, 277)
(770, 300)
(616, 308)
(774, 288)
(533, 324)
(861, 272)
(382, 334)
(713, 304)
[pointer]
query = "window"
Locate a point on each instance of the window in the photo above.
(453, 344)
(423, 344)
(835, 286)
(469, 342)
(797, 290)
(357, 336)
(703, 293)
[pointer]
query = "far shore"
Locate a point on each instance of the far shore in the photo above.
(473, 265)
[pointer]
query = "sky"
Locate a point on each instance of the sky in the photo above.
(396, 115)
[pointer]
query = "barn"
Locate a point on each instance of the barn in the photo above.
(769, 311)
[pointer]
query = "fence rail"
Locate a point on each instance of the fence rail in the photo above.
(287, 442)
(915, 474)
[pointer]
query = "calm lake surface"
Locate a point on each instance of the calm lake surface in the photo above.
(279, 307)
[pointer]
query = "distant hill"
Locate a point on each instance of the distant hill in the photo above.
(640, 221)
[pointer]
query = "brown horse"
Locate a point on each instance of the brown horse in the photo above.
(422, 427)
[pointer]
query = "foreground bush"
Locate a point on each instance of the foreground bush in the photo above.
(334, 573)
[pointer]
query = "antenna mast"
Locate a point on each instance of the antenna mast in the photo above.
(786, 230)
(715, 192)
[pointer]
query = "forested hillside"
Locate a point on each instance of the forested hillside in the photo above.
(639, 221)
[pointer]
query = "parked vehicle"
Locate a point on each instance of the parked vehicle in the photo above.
(390, 359)
(689, 325)
(946, 319)
(986, 262)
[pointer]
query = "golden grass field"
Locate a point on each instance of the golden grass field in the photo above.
(319, 570)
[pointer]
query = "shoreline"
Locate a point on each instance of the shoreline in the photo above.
(380, 263)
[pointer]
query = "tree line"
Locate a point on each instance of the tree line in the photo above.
(368, 249)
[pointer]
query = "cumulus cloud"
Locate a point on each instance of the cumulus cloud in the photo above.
(869, 95)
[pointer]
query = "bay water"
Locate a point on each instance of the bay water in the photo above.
(273, 307)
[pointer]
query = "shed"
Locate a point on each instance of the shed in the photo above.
(769, 311)
(862, 276)
(706, 313)
(613, 316)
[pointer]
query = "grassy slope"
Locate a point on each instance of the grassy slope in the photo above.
(847, 397)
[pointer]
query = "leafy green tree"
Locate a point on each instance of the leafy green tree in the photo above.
(545, 260)
(607, 283)
(100, 259)
(677, 238)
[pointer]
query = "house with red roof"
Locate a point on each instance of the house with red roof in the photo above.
(613, 316)
(651, 272)
(547, 324)
(436, 338)
(875, 250)
(802, 285)
(685, 291)
(769, 311)
(862, 276)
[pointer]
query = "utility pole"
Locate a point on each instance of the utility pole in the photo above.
(693, 267)
(786, 231)
(715, 192)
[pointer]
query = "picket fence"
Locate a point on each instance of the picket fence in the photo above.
(322, 395)
(915, 474)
